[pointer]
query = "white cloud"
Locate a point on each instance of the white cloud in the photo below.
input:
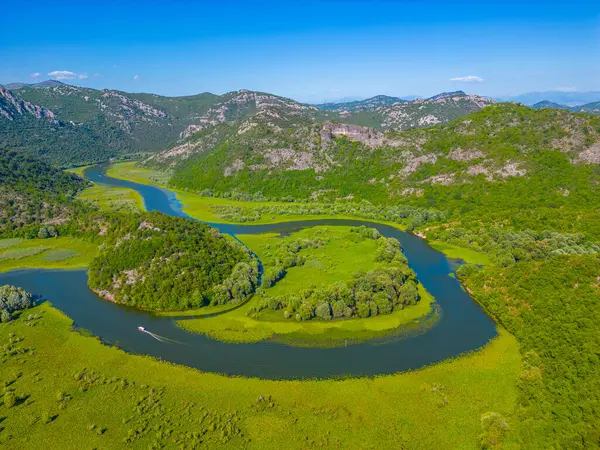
(62, 75)
(35, 75)
(468, 79)
(97, 75)
(82, 76)
(566, 89)
(136, 77)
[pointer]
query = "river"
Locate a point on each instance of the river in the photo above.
(462, 327)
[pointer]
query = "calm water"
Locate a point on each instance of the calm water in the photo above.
(463, 325)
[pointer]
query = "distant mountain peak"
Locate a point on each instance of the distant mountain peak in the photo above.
(448, 94)
(549, 104)
(40, 85)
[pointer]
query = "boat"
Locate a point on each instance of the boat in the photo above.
(141, 328)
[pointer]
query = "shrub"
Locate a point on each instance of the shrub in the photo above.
(323, 311)
(47, 231)
(10, 399)
(5, 316)
(494, 428)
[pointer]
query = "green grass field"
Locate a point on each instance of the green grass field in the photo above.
(204, 208)
(77, 170)
(110, 198)
(337, 260)
(465, 254)
(129, 171)
(52, 253)
(73, 393)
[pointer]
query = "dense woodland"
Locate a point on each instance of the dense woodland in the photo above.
(153, 261)
(32, 193)
(551, 306)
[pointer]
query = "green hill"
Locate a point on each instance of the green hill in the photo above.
(32, 194)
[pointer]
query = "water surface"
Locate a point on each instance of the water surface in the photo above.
(463, 325)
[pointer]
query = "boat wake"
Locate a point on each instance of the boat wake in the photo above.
(159, 338)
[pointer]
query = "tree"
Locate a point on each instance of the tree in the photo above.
(323, 311)
(494, 428)
(5, 316)
(47, 231)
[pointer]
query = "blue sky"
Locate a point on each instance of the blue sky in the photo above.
(308, 50)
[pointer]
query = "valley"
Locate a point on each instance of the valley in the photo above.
(333, 270)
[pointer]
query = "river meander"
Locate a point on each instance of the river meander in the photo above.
(463, 325)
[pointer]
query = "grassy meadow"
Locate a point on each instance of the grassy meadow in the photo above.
(108, 198)
(342, 255)
(71, 389)
(52, 253)
(465, 254)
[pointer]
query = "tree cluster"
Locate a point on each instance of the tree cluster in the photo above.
(13, 299)
(153, 261)
(388, 287)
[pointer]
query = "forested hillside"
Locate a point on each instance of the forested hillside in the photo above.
(153, 261)
(33, 193)
(69, 125)
(493, 147)
(551, 306)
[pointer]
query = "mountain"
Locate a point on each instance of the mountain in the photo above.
(331, 160)
(69, 125)
(562, 98)
(360, 105)
(13, 107)
(14, 86)
(272, 124)
(547, 104)
(37, 130)
(593, 107)
(40, 85)
(405, 115)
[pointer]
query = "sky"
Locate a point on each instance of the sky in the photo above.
(308, 50)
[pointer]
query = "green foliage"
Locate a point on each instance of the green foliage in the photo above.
(494, 427)
(32, 192)
(551, 306)
(47, 231)
(154, 261)
(10, 399)
(13, 299)
(388, 287)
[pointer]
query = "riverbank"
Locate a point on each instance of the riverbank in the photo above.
(340, 254)
(205, 209)
(52, 253)
(86, 395)
(238, 327)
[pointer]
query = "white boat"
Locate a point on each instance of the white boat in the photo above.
(141, 329)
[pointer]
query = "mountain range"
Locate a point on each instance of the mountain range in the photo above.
(325, 160)
(69, 125)
(568, 98)
(593, 107)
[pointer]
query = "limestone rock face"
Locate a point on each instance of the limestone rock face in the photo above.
(10, 105)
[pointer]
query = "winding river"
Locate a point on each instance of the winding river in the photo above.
(463, 325)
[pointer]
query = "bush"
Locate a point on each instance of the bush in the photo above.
(323, 311)
(10, 399)
(494, 428)
(47, 231)
(5, 316)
